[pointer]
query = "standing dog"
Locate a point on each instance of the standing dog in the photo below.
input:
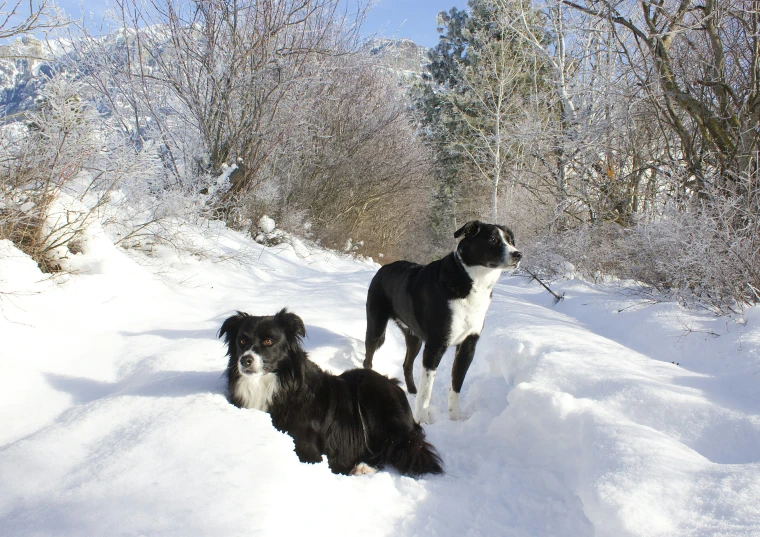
(361, 420)
(443, 304)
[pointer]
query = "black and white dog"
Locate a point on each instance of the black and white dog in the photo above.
(443, 304)
(361, 420)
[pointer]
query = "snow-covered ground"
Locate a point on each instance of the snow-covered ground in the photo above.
(113, 418)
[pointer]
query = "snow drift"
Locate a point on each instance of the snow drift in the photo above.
(113, 417)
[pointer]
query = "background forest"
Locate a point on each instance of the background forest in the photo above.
(619, 140)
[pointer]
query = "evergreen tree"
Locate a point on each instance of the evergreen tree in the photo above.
(433, 112)
(480, 79)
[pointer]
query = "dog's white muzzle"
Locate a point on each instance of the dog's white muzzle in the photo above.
(250, 363)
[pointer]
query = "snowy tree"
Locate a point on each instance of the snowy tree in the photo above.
(481, 81)
(21, 17)
(350, 164)
(57, 170)
(209, 77)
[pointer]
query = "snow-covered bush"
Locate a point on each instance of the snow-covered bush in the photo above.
(353, 168)
(58, 169)
(318, 135)
(43, 164)
(267, 232)
(708, 253)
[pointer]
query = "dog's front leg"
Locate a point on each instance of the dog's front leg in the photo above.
(462, 361)
(431, 357)
(308, 446)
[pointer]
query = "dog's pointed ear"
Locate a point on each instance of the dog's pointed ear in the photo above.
(230, 327)
(468, 230)
(292, 324)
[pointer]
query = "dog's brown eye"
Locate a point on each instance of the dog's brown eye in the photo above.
(267, 342)
(243, 341)
(492, 240)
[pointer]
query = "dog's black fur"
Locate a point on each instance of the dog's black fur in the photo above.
(357, 417)
(426, 302)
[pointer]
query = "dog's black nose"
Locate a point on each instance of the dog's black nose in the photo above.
(517, 255)
(246, 361)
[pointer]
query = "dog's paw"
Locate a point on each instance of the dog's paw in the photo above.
(455, 413)
(363, 469)
(424, 416)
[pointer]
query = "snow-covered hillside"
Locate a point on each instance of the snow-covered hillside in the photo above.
(113, 418)
(27, 64)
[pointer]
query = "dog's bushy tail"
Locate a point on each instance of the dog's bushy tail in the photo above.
(412, 455)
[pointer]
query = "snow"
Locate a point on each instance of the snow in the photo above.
(113, 417)
(266, 224)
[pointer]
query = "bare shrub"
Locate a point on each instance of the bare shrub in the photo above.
(57, 169)
(706, 253)
(352, 167)
(206, 79)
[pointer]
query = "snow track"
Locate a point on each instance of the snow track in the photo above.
(113, 418)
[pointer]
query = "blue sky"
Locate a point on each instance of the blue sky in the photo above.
(413, 19)
(93, 9)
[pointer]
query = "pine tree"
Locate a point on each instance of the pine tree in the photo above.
(480, 78)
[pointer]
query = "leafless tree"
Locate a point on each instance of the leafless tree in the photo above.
(705, 60)
(210, 75)
(57, 169)
(29, 16)
(350, 165)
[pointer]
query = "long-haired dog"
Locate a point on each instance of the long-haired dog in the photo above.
(360, 419)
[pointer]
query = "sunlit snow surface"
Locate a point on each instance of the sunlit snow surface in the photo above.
(113, 418)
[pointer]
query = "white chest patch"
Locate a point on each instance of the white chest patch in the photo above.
(256, 391)
(468, 314)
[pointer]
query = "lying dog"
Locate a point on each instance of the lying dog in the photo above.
(443, 304)
(361, 420)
